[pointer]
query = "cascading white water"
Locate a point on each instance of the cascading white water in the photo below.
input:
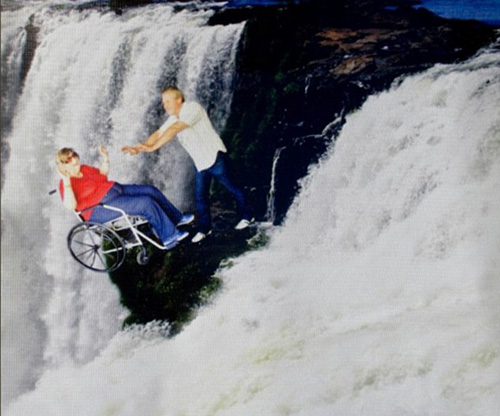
(378, 295)
(13, 43)
(271, 210)
(14, 38)
(96, 77)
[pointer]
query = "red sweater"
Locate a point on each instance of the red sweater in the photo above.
(89, 190)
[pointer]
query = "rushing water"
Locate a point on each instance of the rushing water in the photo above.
(95, 77)
(377, 296)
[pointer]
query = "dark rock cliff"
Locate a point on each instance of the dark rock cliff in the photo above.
(301, 68)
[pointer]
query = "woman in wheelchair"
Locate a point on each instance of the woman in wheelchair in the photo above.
(83, 188)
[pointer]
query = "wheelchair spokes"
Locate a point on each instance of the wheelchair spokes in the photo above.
(103, 247)
(96, 247)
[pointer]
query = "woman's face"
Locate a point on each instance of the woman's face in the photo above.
(71, 166)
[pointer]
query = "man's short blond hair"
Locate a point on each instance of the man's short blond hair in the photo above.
(178, 93)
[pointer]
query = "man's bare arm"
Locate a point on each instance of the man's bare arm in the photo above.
(153, 138)
(157, 139)
(133, 150)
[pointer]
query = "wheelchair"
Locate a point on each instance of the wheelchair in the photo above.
(103, 247)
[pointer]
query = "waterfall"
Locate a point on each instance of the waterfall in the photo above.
(377, 296)
(95, 78)
(14, 38)
(271, 210)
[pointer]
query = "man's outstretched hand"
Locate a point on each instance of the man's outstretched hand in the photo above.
(130, 150)
(140, 147)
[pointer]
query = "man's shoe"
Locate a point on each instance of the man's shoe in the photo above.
(200, 236)
(244, 223)
(186, 219)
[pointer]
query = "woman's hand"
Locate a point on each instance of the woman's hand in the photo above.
(104, 169)
(68, 195)
(104, 152)
(63, 173)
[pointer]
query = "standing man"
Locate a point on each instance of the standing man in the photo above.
(190, 123)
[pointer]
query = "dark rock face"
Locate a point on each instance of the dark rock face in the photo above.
(303, 66)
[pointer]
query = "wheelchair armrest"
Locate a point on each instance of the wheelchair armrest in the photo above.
(79, 213)
(87, 209)
(109, 207)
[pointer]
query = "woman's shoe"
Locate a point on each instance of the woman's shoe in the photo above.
(174, 240)
(182, 235)
(186, 219)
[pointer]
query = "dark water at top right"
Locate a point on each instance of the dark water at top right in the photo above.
(487, 11)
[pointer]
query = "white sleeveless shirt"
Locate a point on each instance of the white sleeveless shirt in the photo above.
(200, 139)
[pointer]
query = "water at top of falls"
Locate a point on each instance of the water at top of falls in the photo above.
(487, 11)
(95, 78)
(377, 296)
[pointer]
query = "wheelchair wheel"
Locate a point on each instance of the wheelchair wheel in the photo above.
(142, 257)
(96, 247)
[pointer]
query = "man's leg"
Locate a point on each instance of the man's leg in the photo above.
(202, 188)
(219, 172)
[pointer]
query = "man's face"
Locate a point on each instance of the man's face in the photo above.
(172, 103)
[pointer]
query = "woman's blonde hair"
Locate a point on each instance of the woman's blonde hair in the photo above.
(64, 154)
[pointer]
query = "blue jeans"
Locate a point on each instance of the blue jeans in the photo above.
(203, 179)
(143, 200)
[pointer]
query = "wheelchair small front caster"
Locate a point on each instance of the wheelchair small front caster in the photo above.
(142, 257)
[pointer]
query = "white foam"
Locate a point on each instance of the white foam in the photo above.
(96, 77)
